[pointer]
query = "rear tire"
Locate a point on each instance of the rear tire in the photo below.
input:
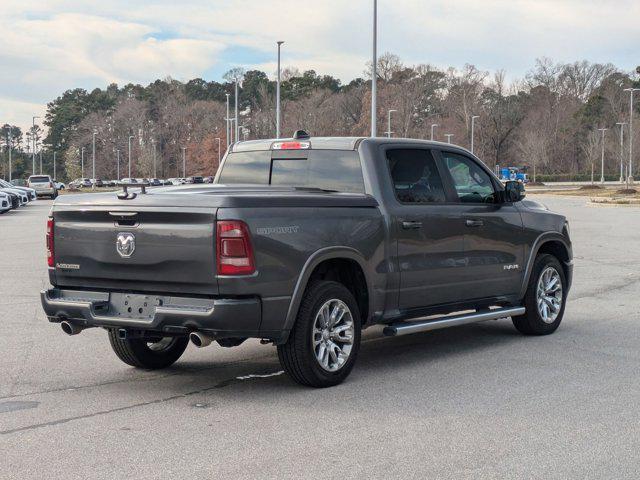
(141, 354)
(545, 298)
(323, 345)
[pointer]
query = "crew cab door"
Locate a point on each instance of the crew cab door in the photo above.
(493, 240)
(426, 227)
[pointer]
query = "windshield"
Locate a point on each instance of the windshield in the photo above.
(337, 170)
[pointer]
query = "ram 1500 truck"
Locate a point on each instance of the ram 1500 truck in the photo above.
(303, 243)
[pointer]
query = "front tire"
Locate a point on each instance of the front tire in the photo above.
(148, 355)
(323, 345)
(545, 298)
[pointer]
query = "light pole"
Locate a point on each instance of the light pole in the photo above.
(389, 132)
(118, 164)
(40, 159)
(82, 162)
(130, 137)
(10, 147)
(228, 121)
(630, 173)
(54, 164)
(153, 142)
(602, 159)
(218, 139)
(93, 159)
(374, 72)
(448, 135)
(33, 139)
(236, 110)
(184, 162)
(432, 129)
(280, 42)
(621, 124)
(473, 124)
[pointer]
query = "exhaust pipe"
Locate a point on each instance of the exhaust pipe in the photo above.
(200, 340)
(70, 329)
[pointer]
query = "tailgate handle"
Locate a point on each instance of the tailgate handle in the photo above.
(123, 214)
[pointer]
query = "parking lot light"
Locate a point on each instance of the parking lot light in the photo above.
(473, 124)
(374, 73)
(621, 124)
(602, 159)
(130, 137)
(630, 173)
(433, 127)
(448, 135)
(278, 93)
(389, 132)
(93, 158)
(82, 162)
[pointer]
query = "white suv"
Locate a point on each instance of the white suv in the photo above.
(43, 185)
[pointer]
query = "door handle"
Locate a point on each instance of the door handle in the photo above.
(474, 223)
(411, 225)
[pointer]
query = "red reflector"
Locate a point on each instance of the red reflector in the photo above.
(234, 253)
(50, 243)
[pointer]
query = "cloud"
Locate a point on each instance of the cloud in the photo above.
(52, 46)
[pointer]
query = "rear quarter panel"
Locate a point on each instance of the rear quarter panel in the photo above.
(284, 240)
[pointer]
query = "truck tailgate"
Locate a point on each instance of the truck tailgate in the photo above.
(154, 249)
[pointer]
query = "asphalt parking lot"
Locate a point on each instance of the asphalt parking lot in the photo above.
(474, 402)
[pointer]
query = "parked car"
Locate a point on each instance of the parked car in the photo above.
(128, 181)
(43, 185)
(155, 182)
(82, 183)
(14, 198)
(59, 185)
(208, 179)
(176, 181)
(5, 203)
(332, 235)
(22, 196)
(97, 182)
(31, 193)
(195, 180)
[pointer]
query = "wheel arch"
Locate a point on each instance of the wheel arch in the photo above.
(329, 259)
(554, 244)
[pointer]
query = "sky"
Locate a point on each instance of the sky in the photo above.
(49, 46)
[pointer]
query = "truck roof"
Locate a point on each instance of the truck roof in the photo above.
(334, 143)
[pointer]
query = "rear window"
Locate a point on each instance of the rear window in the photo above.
(39, 179)
(338, 170)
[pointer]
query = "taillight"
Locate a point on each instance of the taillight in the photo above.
(51, 184)
(233, 248)
(50, 243)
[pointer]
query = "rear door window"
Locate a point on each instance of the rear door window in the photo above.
(41, 179)
(415, 176)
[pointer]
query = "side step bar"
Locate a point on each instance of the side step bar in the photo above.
(405, 328)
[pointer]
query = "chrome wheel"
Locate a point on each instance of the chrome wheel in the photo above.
(332, 336)
(549, 295)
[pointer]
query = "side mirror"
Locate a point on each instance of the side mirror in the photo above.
(514, 191)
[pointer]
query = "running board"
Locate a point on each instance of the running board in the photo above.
(405, 328)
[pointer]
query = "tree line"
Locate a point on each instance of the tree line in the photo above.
(547, 121)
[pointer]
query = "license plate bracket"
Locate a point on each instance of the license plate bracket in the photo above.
(136, 306)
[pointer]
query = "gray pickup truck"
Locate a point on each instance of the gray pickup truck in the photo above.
(303, 243)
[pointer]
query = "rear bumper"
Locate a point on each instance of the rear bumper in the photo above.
(45, 191)
(228, 317)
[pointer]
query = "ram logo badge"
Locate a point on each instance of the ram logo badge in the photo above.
(126, 244)
(513, 266)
